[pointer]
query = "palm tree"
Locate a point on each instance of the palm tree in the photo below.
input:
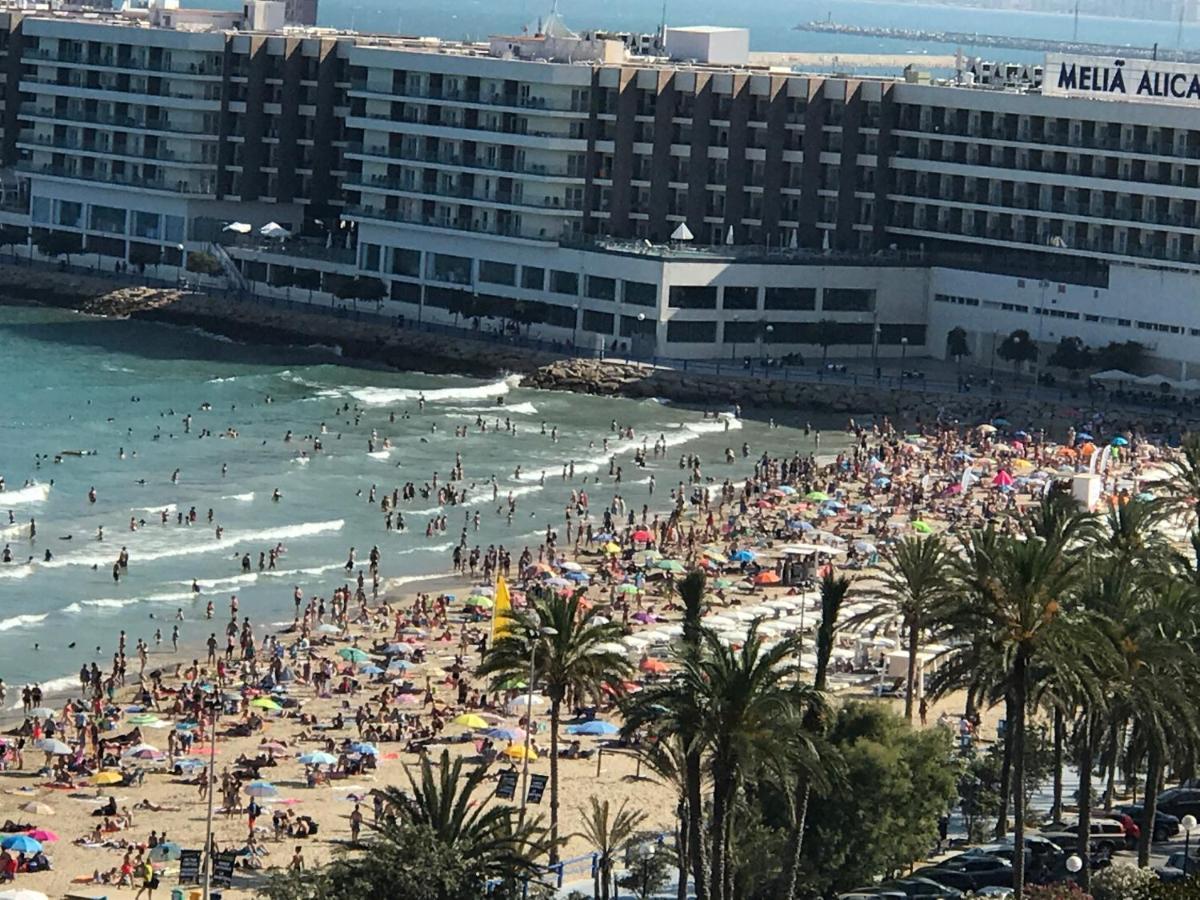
(1183, 487)
(488, 837)
(833, 595)
(691, 594)
(1013, 609)
(918, 578)
(609, 834)
(567, 646)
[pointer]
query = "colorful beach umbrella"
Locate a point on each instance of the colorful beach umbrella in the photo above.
(595, 728)
(21, 843)
(108, 776)
(262, 789)
(353, 654)
(265, 703)
(517, 751)
(317, 758)
(767, 577)
(816, 495)
(470, 720)
(45, 835)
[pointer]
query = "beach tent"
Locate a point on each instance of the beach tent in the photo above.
(274, 230)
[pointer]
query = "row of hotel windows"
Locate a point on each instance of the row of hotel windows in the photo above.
(108, 219)
(1064, 314)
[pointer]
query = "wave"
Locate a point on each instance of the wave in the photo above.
(231, 541)
(377, 396)
(22, 621)
(301, 460)
(518, 491)
(381, 454)
(414, 579)
(222, 380)
(516, 409)
(210, 335)
(431, 548)
(109, 367)
(16, 571)
(73, 608)
(210, 583)
(33, 493)
(240, 498)
(169, 507)
(311, 570)
(119, 602)
(67, 683)
(332, 349)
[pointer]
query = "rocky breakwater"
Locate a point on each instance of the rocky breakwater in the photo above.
(637, 380)
(91, 294)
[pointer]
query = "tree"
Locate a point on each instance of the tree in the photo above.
(570, 659)
(359, 288)
(307, 280)
(12, 235)
(442, 841)
(1071, 354)
(284, 277)
(1128, 356)
(609, 834)
(142, 255)
(59, 243)
(900, 782)
(647, 870)
(833, 595)
(203, 263)
(956, 344)
(918, 578)
(826, 333)
(1018, 348)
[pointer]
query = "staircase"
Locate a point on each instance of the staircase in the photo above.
(232, 272)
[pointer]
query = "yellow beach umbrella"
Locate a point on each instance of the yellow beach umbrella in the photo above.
(612, 548)
(471, 720)
(517, 751)
(107, 777)
(265, 703)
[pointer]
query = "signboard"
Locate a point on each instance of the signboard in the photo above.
(223, 864)
(506, 788)
(1106, 78)
(189, 866)
(537, 787)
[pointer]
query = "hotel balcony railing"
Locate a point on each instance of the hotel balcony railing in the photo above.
(457, 224)
(42, 140)
(531, 104)
(460, 192)
(92, 59)
(148, 124)
(177, 185)
(467, 162)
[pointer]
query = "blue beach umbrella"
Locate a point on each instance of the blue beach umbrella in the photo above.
(743, 556)
(22, 843)
(597, 727)
(317, 758)
(365, 749)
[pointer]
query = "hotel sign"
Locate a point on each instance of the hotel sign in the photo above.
(1121, 79)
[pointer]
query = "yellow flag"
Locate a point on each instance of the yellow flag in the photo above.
(501, 609)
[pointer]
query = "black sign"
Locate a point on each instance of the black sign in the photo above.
(189, 866)
(537, 787)
(223, 864)
(507, 786)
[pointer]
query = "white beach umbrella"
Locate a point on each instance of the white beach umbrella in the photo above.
(274, 230)
(239, 227)
(682, 233)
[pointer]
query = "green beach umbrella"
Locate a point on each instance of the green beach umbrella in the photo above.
(353, 654)
(921, 526)
(816, 495)
(265, 703)
(670, 565)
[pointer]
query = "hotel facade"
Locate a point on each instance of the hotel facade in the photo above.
(686, 203)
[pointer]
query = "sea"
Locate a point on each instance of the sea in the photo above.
(91, 403)
(771, 22)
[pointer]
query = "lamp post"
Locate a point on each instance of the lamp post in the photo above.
(1188, 824)
(767, 332)
(641, 317)
(1074, 864)
(733, 343)
(903, 355)
(875, 333)
(546, 631)
(214, 706)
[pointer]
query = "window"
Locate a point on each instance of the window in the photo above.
(70, 213)
(497, 272)
(370, 257)
(601, 288)
(632, 327)
(173, 228)
(146, 225)
(740, 298)
(564, 282)
(106, 218)
(454, 269)
(533, 278)
(693, 297)
(406, 292)
(849, 300)
(641, 293)
(41, 210)
(600, 323)
(681, 332)
(406, 262)
(791, 298)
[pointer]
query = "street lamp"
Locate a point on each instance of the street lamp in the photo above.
(767, 332)
(733, 343)
(214, 706)
(1074, 864)
(875, 333)
(903, 355)
(545, 631)
(1187, 823)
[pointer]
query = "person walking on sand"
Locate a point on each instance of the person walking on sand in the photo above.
(149, 879)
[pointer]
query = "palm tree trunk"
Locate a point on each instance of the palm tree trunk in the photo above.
(914, 636)
(722, 793)
(1087, 754)
(1056, 803)
(1149, 804)
(1020, 675)
(1005, 769)
(801, 817)
(695, 823)
(681, 847)
(555, 710)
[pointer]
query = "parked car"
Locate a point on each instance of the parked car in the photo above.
(970, 872)
(1108, 835)
(1180, 801)
(923, 888)
(1166, 826)
(1179, 867)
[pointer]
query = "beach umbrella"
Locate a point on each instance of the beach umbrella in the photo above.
(505, 732)
(470, 720)
(397, 664)
(262, 789)
(517, 705)
(38, 808)
(370, 669)
(148, 754)
(140, 748)
(45, 835)
(767, 577)
(22, 894)
(517, 751)
(1000, 422)
(816, 495)
(627, 588)
(864, 547)
(166, 851)
(364, 748)
(353, 654)
(670, 565)
(612, 549)
(142, 719)
(642, 535)
(265, 703)
(481, 602)
(596, 727)
(1119, 441)
(557, 582)
(108, 776)
(54, 747)
(570, 566)
(652, 666)
(786, 489)
(326, 628)
(1083, 436)
(578, 576)
(743, 556)
(1002, 479)
(723, 583)
(189, 765)
(317, 758)
(882, 481)
(21, 843)
(921, 526)
(987, 428)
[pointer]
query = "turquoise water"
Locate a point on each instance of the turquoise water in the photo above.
(74, 383)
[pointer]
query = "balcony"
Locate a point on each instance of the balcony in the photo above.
(472, 98)
(176, 186)
(200, 70)
(32, 110)
(33, 140)
(457, 161)
(455, 224)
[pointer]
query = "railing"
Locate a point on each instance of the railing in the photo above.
(232, 272)
(201, 70)
(178, 186)
(69, 115)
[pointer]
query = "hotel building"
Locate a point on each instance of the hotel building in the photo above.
(565, 173)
